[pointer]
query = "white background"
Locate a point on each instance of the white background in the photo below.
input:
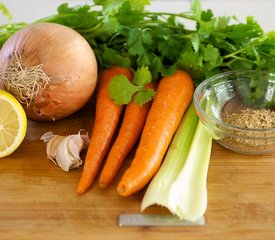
(262, 10)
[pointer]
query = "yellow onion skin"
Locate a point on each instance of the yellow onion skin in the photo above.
(66, 58)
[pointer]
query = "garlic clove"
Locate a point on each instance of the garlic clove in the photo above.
(63, 157)
(65, 151)
(77, 143)
(52, 142)
(52, 146)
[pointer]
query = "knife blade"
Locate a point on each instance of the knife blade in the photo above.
(156, 220)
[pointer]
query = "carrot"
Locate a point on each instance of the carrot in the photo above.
(107, 115)
(174, 94)
(130, 130)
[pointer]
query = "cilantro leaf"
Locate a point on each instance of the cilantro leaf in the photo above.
(169, 70)
(77, 17)
(121, 90)
(195, 40)
(142, 76)
(167, 45)
(139, 4)
(113, 57)
(211, 54)
(109, 7)
(138, 40)
(156, 66)
(113, 6)
(189, 58)
(5, 11)
(196, 9)
(206, 15)
(125, 18)
(64, 8)
(144, 96)
(7, 30)
(144, 59)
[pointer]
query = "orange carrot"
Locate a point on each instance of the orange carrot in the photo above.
(107, 115)
(174, 94)
(130, 130)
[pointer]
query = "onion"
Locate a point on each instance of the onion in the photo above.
(50, 68)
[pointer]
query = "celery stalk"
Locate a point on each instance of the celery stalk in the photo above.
(180, 183)
(189, 190)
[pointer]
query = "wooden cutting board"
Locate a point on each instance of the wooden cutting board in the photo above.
(38, 200)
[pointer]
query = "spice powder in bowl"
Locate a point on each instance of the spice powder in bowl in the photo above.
(251, 135)
(251, 118)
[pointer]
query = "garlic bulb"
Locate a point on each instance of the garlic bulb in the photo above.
(65, 150)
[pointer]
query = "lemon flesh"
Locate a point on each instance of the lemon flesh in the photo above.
(13, 124)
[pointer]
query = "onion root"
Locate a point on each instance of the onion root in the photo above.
(24, 82)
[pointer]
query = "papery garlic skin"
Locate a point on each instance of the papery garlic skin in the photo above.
(52, 146)
(64, 157)
(65, 150)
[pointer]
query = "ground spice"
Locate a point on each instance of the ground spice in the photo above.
(251, 140)
(251, 118)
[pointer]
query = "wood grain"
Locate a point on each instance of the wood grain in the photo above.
(38, 200)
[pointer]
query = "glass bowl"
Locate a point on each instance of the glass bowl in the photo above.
(238, 109)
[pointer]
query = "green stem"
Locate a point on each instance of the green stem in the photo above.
(93, 29)
(187, 16)
(233, 54)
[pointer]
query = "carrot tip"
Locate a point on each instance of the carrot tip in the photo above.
(80, 190)
(102, 185)
(121, 189)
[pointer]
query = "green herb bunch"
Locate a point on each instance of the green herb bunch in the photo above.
(124, 33)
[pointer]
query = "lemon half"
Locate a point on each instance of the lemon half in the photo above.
(13, 124)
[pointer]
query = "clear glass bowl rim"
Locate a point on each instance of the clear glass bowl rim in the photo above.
(198, 91)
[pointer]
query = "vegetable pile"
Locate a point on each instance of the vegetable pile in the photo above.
(149, 64)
